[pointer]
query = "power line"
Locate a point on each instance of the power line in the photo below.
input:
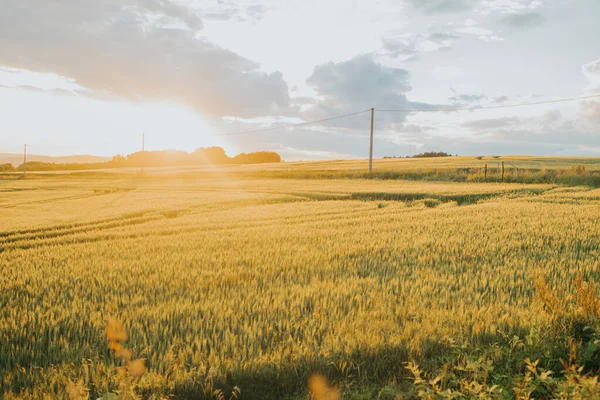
(293, 125)
(275, 128)
(492, 107)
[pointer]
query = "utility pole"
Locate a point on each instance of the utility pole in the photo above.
(371, 141)
(143, 151)
(24, 159)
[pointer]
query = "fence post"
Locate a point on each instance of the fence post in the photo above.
(485, 173)
(502, 171)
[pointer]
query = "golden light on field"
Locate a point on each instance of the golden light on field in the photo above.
(260, 281)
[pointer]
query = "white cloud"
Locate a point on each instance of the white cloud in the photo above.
(480, 33)
(592, 73)
(507, 6)
(410, 45)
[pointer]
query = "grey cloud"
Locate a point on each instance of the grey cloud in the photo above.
(562, 137)
(109, 48)
(360, 83)
(593, 68)
(467, 98)
(443, 6)
(413, 128)
(501, 141)
(396, 48)
(523, 21)
(500, 99)
(222, 15)
(552, 116)
(590, 112)
(237, 10)
(439, 36)
(170, 9)
(491, 123)
(256, 11)
(416, 137)
(30, 88)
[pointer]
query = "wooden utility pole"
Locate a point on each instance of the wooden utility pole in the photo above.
(24, 159)
(371, 141)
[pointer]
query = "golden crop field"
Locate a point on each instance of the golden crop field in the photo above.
(244, 287)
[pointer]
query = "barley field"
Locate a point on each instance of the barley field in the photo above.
(234, 286)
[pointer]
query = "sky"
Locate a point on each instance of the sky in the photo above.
(90, 76)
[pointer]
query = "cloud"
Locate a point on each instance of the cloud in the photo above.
(256, 11)
(590, 112)
(592, 73)
(443, 6)
(467, 98)
(481, 33)
(593, 68)
(500, 99)
(492, 123)
(523, 21)
(148, 50)
(552, 116)
(546, 135)
(231, 10)
(409, 46)
(508, 6)
(360, 83)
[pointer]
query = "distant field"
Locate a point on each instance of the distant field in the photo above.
(229, 280)
(517, 169)
(511, 162)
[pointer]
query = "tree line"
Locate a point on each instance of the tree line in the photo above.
(427, 154)
(162, 158)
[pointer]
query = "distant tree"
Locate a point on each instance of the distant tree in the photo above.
(432, 154)
(210, 155)
(257, 158)
(8, 167)
(428, 154)
(118, 160)
(158, 158)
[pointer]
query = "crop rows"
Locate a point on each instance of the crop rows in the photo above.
(256, 284)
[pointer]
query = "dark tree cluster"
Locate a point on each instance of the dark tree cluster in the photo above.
(427, 154)
(163, 158)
